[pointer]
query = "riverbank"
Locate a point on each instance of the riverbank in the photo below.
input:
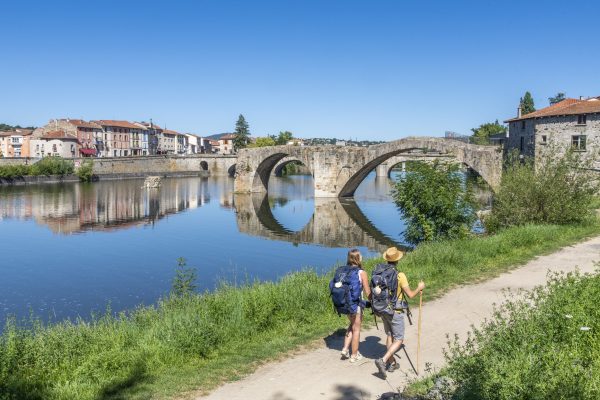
(203, 340)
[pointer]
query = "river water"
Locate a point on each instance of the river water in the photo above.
(72, 249)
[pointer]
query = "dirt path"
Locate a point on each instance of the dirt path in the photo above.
(320, 374)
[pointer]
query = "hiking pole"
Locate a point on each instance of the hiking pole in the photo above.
(419, 332)
(403, 347)
(375, 319)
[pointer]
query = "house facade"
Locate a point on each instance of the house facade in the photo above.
(58, 143)
(167, 142)
(226, 144)
(15, 143)
(571, 123)
(119, 136)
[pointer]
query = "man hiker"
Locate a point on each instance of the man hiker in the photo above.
(388, 288)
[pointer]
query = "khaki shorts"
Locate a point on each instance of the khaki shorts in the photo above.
(394, 325)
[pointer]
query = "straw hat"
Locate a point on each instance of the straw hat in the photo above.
(393, 254)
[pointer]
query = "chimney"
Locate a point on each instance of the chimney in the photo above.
(519, 111)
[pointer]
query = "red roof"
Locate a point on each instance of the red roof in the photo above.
(90, 152)
(229, 136)
(83, 124)
(170, 132)
(565, 107)
(58, 135)
(147, 125)
(118, 124)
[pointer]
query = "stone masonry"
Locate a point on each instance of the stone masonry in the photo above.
(338, 171)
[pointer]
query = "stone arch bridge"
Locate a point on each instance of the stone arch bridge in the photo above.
(338, 171)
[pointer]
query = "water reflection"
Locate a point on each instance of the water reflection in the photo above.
(102, 206)
(334, 223)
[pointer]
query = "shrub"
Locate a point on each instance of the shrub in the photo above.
(52, 166)
(14, 171)
(543, 345)
(435, 201)
(558, 189)
(86, 171)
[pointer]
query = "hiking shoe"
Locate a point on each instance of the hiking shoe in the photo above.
(392, 367)
(381, 367)
(345, 353)
(356, 357)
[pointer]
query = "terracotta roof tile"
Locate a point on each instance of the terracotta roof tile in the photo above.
(565, 107)
(83, 124)
(118, 124)
(58, 135)
(170, 132)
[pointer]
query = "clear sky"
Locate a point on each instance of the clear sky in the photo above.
(370, 69)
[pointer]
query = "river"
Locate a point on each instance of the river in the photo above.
(70, 250)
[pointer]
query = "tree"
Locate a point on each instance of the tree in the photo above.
(435, 202)
(560, 96)
(526, 104)
(481, 135)
(284, 137)
(263, 142)
(242, 133)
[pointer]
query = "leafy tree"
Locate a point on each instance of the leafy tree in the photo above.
(527, 105)
(242, 133)
(284, 137)
(7, 127)
(435, 201)
(263, 142)
(560, 96)
(481, 135)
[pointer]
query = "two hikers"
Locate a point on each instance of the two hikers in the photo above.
(388, 302)
(347, 288)
(386, 292)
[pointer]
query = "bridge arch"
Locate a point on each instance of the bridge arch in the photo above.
(203, 165)
(280, 166)
(485, 160)
(337, 171)
(231, 170)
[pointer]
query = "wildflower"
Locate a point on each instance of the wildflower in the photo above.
(569, 316)
(585, 328)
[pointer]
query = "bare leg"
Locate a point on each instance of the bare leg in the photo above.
(348, 338)
(396, 344)
(356, 332)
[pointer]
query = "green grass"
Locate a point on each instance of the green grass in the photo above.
(199, 341)
(533, 347)
(46, 166)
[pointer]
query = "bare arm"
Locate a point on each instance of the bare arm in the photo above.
(365, 283)
(412, 293)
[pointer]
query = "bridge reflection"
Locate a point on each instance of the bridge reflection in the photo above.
(334, 223)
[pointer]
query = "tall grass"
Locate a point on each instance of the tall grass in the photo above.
(198, 341)
(543, 345)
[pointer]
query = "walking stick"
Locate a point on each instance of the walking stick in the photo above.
(419, 333)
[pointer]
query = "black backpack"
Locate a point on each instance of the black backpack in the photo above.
(384, 289)
(345, 290)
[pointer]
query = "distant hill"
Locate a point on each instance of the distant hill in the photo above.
(217, 136)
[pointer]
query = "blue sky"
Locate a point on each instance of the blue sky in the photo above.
(346, 69)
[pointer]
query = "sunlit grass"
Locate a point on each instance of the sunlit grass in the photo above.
(197, 342)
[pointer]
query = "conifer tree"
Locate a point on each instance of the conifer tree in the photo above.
(242, 133)
(527, 105)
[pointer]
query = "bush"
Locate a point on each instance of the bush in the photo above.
(52, 166)
(435, 201)
(545, 345)
(86, 171)
(14, 171)
(558, 189)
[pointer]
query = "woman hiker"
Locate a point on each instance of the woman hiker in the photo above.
(353, 332)
(393, 321)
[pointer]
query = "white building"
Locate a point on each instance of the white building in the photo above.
(55, 143)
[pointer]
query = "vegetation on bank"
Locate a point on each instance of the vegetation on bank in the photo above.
(191, 341)
(542, 345)
(46, 166)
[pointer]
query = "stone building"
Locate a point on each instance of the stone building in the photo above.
(153, 133)
(167, 142)
(57, 143)
(226, 144)
(571, 122)
(118, 135)
(15, 143)
(90, 140)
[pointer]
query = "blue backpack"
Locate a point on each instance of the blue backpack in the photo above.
(345, 290)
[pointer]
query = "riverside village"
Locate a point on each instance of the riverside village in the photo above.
(322, 200)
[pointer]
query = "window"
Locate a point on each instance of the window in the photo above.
(523, 125)
(522, 145)
(578, 142)
(581, 119)
(544, 139)
(54, 148)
